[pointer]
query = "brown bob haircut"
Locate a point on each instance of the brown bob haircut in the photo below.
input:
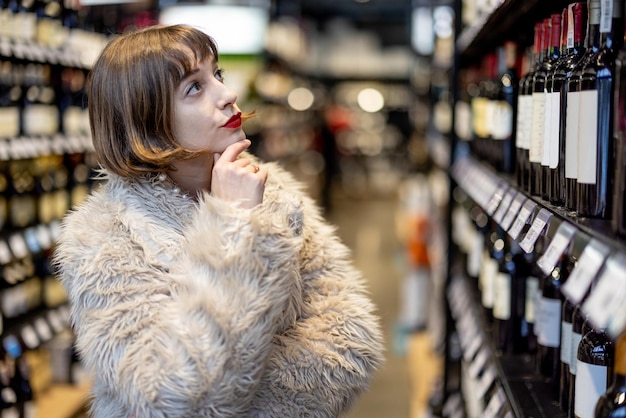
(130, 96)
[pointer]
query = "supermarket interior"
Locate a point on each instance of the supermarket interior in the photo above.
(471, 154)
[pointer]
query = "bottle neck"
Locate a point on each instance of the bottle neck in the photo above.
(592, 40)
(620, 357)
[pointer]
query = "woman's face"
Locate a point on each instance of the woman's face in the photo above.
(205, 110)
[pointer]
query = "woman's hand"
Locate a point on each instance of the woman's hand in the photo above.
(237, 180)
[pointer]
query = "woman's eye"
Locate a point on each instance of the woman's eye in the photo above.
(194, 88)
(219, 74)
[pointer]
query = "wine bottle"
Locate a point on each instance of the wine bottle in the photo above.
(619, 134)
(572, 131)
(566, 353)
(612, 403)
(549, 339)
(538, 112)
(575, 15)
(593, 369)
(552, 104)
(523, 120)
(595, 156)
(505, 107)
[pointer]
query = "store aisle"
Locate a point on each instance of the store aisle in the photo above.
(367, 227)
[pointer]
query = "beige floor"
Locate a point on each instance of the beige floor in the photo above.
(402, 387)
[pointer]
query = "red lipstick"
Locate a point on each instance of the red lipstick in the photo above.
(234, 121)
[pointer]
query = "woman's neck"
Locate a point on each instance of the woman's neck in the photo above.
(193, 176)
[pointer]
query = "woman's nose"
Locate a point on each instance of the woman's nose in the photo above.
(227, 97)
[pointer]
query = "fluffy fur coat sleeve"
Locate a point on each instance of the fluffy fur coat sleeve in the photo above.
(204, 309)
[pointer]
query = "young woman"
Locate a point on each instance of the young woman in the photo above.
(202, 282)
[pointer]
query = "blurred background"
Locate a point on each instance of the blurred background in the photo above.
(351, 96)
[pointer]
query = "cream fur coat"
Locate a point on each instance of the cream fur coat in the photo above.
(187, 308)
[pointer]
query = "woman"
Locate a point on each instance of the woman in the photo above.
(203, 283)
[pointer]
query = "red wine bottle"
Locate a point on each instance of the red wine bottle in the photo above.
(523, 122)
(552, 105)
(566, 353)
(619, 134)
(612, 404)
(572, 41)
(595, 157)
(538, 112)
(572, 133)
(593, 369)
(504, 109)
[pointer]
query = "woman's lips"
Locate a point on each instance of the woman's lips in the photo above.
(233, 122)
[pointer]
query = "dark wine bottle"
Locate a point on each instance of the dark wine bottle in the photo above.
(566, 353)
(575, 15)
(593, 369)
(523, 120)
(595, 159)
(538, 112)
(505, 107)
(612, 404)
(549, 339)
(552, 105)
(619, 134)
(572, 132)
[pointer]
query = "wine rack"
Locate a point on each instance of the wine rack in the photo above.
(492, 383)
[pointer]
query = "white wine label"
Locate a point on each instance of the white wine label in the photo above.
(491, 270)
(495, 404)
(524, 109)
(573, 361)
(588, 137)
(609, 294)
(532, 287)
(555, 124)
(550, 332)
(502, 297)
(537, 127)
(29, 336)
(606, 16)
(590, 385)
(585, 270)
(566, 342)
(570, 26)
(547, 129)
(18, 246)
(504, 205)
(571, 135)
(557, 246)
(475, 255)
(536, 229)
(517, 203)
(524, 214)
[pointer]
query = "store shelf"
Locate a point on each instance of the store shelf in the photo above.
(508, 20)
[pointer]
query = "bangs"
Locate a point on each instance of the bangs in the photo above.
(186, 50)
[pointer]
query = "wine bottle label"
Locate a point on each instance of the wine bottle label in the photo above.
(72, 121)
(606, 14)
(463, 120)
(555, 117)
(547, 129)
(475, 255)
(532, 286)
(9, 122)
(524, 110)
(491, 270)
(537, 127)
(571, 135)
(566, 342)
(479, 112)
(573, 362)
(588, 137)
(590, 385)
(502, 121)
(550, 334)
(41, 119)
(502, 297)
(570, 26)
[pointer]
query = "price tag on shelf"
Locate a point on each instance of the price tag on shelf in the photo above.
(486, 380)
(495, 403)
(587, 267)
(479, 363)
(609, 294)
(557, 246)
(516, 205)
(524, 213)
(536, 229)
(495, 199)
(504, 206)
(472, 347)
